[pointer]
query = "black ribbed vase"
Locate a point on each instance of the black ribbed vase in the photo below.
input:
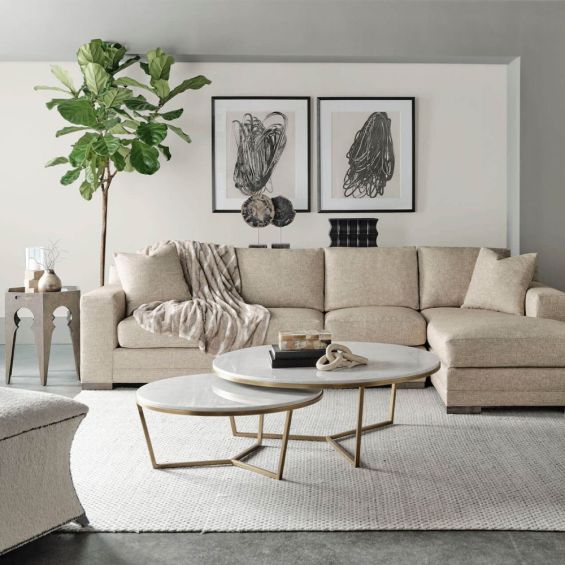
(353, 232)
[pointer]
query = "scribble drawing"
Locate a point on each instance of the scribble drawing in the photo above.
(371, 158)
(260, 144)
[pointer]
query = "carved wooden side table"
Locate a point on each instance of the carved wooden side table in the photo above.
(42, 305)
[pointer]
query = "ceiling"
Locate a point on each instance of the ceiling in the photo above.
(51, 30)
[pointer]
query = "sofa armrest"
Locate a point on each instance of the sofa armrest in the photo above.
(545, 302)
(101, 311)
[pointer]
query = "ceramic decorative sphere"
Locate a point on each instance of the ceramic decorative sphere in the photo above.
(258, 211)
(284, 211)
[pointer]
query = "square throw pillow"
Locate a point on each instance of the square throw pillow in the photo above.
(151, 278)
(500, 284)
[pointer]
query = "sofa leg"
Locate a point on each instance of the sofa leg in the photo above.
(83, 520)
(463, 409)
(97, 386)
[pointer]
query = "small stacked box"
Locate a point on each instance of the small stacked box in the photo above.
(353, 232)
(299, 349)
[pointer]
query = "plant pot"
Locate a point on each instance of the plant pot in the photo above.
(49, 282)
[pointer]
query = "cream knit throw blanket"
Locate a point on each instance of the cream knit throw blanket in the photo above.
(216, 317)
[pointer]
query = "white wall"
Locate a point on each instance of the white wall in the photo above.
(461, 152)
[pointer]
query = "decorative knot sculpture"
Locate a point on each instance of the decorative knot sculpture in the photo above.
(339, 356)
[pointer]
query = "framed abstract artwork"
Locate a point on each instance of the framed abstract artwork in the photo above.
(260, 146)
(366, 155)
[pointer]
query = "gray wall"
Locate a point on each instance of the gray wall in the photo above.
(381, 31)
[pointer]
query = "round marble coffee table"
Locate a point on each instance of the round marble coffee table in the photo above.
(388, 365)
(208, 395)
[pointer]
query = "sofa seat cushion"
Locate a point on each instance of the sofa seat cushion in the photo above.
(483, 338)
(131, 335)
(292, 319)
(386, 324)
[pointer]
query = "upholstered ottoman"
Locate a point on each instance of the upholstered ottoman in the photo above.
(36, 488)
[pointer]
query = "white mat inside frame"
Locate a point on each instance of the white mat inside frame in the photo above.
(430, 471)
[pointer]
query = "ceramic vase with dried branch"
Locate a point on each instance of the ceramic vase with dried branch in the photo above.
(50, 281)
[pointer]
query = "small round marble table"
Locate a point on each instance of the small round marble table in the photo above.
(388, 365)
(208, 395)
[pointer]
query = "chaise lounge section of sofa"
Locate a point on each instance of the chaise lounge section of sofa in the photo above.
(404, 295)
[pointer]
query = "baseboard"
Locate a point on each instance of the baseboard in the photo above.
(61, 333)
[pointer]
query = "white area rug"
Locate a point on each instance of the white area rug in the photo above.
(497, 471)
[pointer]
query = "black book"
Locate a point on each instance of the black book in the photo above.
(278, 353)
(291, 363)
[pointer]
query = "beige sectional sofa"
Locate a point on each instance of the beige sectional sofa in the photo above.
(404, 295)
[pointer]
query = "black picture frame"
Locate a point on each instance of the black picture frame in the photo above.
(412, 207)
(307, 99)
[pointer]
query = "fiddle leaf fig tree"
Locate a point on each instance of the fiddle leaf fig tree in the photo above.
(121, 130)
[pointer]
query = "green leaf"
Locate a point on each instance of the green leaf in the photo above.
(152, 133)
(78, 111)
(81, 149)
(92, 52)
(96, 77)
(115, 53)
(180, 133)
(129, 167)
(131, 124)
(56, 161)
(161, 87)
(140, 103)
(55, 102)
(173, 114)
(106, 146)
(86, 190)
(93, 170)
(193, 83)
(119, 161)
(70, 176)
(64, 77)
(159, 64)
(116, 97)
(165, 151)
(127, 81)
(118, 129)
(145, 159)
(126, 64)
(44, 87)
(69, 129)
(110, 123)
(145, 68)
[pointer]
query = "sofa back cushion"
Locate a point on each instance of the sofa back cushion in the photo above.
(375, 276)
(445, 274)
(282, 278)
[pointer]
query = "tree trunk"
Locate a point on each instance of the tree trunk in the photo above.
(103, 233)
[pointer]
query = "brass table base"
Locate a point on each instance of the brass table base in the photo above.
(237, 460)
(360, 429)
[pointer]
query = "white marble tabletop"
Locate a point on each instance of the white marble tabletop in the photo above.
(388, 364)
(207, 394)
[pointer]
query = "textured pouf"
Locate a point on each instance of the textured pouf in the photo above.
(36, 489)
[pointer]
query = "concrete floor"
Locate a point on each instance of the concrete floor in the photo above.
(282, 548)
